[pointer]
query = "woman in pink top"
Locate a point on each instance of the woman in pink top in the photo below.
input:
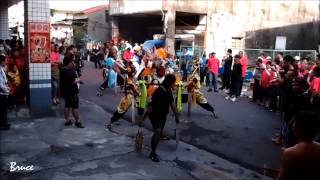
(55, 65)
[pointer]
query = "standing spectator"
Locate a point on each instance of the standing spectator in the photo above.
(280, 56)
(301, 102)
(14, 83)
(213, 66)
(18, 60)
(286, 104)
(183, 64)
(257, 77)
(7, 46)
(244, 64)
(313, 67)
(127, 55)
(227, 70)
(61, 53)
(315, 87)
(236, 76)
(106, 51)
(21, 49)
(274, 86)
(203, 67)
(263, 56)
(162, 99)
(288, 64)
(136, 57)
(96, 57)
(4, 92)
(266, 77)
(186, 63)
(2, 48)
(303, 68)
(128, 45)
(302, 161)
(122, 47)
(55, 65)
(78, 61)
(69, 84)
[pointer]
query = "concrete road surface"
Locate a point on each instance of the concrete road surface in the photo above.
(241, 134)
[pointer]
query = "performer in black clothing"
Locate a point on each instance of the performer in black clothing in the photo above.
(227, 70)
(69, 82)
(158, 110)
(236, 78)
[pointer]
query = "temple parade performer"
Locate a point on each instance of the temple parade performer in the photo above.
(131, 91)
(193, 86)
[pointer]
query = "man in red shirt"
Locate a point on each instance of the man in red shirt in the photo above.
(127, 55)
(244, 64)
(213, 66)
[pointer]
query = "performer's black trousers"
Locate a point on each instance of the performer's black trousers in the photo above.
(116, 115)
(206, 106)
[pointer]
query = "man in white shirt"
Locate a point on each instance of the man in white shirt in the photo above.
(4, 92)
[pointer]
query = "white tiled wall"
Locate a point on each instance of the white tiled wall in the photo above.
(46, 85)
(38, 10)
(4, 30)
(40, 71)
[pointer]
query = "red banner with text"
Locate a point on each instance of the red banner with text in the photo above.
(39, 42)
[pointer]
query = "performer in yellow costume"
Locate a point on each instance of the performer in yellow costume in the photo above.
(193, 87)
(131, 91)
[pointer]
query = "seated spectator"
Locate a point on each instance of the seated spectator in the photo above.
(302, 161)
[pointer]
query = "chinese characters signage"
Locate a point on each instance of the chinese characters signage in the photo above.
(39, 42)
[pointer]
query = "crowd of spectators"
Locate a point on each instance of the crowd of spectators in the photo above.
(16, 70)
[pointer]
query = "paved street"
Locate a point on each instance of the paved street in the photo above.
(93, 153)
(242, 134)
